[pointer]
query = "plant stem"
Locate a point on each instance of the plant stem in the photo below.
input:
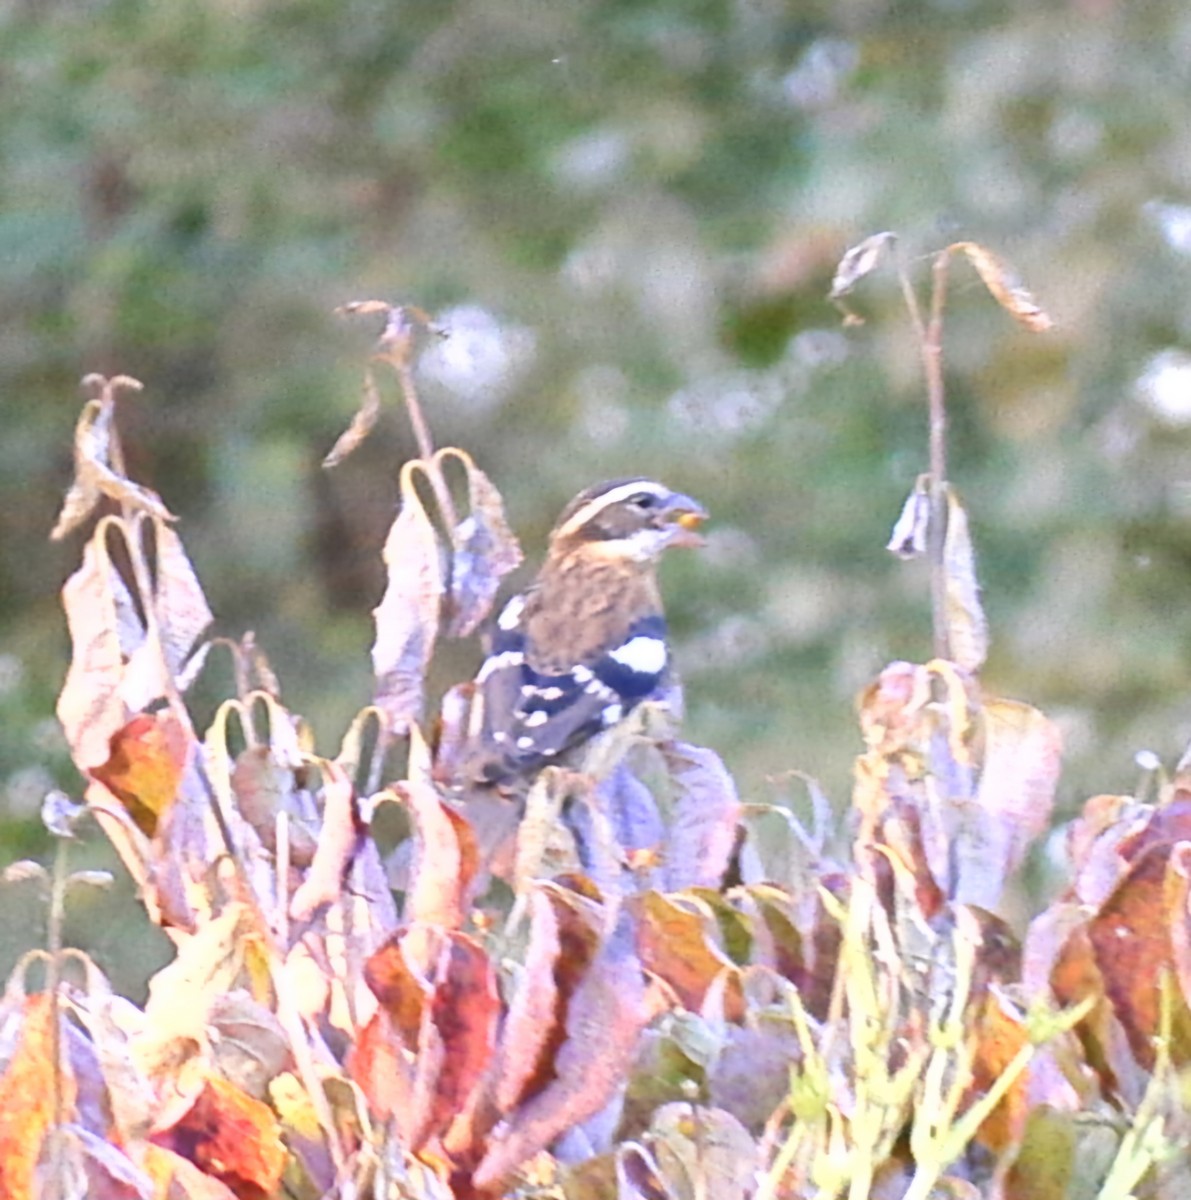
(932, 362)
(417, 418)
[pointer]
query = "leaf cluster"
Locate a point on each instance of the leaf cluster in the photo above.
(631, 984)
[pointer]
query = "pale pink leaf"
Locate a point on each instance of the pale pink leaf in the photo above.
(703, 824)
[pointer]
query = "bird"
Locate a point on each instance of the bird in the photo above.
(586, 643)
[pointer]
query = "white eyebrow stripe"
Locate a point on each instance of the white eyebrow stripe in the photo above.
(615, 496)
(642, 655)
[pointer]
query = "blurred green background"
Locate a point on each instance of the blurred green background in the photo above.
(627, 215)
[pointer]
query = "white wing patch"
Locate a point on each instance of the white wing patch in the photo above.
(498, 662)
(511, 614)
(642, 655)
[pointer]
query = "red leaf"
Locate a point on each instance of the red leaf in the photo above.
(145, 766)
(232, 1137)
(604, 1022)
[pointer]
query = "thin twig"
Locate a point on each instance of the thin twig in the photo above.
(421, 428)
(936, 540)
(54, 972)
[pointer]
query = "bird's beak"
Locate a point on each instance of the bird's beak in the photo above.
(684, 516)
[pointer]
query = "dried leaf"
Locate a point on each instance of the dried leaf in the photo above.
(362, 423)
(457, 1037)
(60, 814)
(998, 1033)
(445, 857)
(407, 616)
(858, 261)
(90, 706)
(338, 840)
(564, 938)
(1131, 939)
(485, 550)
(1014, 799)
(100, 1170)
(144, 769)
(29, 1075)
(604, 1022)
(634, 814)
(265, 786)
(1004, 287)
(179, 604)
(707, 811)
(231, 1136)
(545, 845)
(675, 944)
(93, 474)
(967, 626)
(180, 994)
(177, 1178)
(116, 670)
(704, 1149)
(908, 539)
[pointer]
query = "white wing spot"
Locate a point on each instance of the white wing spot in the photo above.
(642, 655)
(612, 714)
(511, 614)
(540, 717)
(525, 743)
(550, 693)
(498, 662)
(582, 675)
(500, 736)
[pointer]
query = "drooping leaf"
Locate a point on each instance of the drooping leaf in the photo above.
(706, 1150)
(564, 938)
(362, 423)
(144, 769)
(457, 1037)
(604, 1021)
(858, 261)
(338, 838)
(1004, 287)
(908, 539)
(1014, 799)
(1131, 939)
(90, 706)
(94, 476)
(231, 1136)
(28, 1075)
(703, 826)
(408, 614)
(94, 1166)
(967, 626)
(445, 856)
(485, 550)
(676, 943)
(180, 607)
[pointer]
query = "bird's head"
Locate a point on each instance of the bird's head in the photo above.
(629, 519)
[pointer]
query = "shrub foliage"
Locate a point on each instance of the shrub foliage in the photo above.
(632, 985)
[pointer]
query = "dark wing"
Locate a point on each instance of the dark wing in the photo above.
(530, 717)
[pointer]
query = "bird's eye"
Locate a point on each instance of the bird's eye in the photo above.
(643, 500)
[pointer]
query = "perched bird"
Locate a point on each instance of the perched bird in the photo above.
(586, 642)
